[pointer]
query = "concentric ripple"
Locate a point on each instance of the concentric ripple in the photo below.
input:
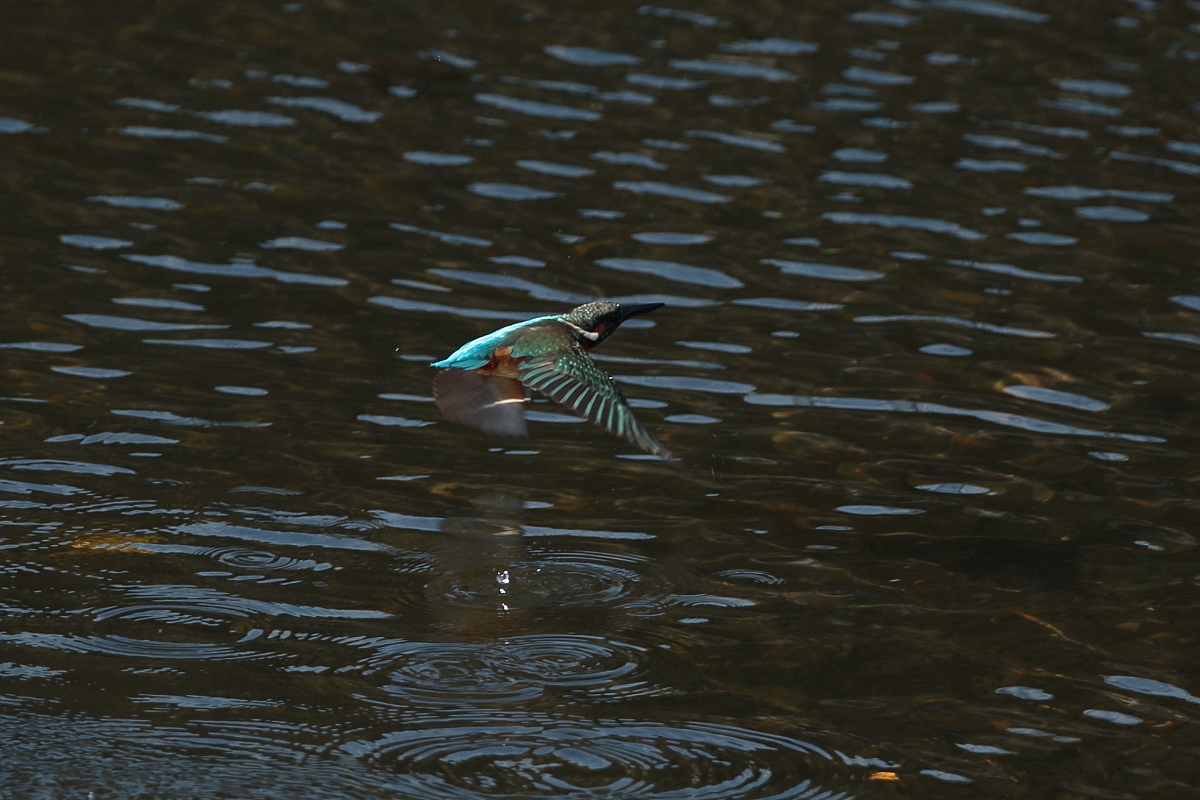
(525, 756)
(184, 629)
(453, 674)
(516, 669)
(565, 580)
(183, 622)
(572, 661)
(242, 558)
(132, 647)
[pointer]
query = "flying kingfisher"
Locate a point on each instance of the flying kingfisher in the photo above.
(483, 382)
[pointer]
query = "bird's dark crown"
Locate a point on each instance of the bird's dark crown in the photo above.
(602, 318)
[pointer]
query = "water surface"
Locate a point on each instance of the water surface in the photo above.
(928, 361)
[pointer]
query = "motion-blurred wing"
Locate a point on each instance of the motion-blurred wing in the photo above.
(492, 404)
(570, 377)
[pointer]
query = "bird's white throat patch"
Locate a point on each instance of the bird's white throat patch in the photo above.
(589, 335)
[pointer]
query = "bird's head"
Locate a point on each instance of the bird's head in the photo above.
(597, 321)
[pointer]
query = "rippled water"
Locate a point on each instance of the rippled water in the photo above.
(928, 363)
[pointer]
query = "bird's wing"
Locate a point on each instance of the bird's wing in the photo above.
(477, 352)
(490, 403)
(569, 376)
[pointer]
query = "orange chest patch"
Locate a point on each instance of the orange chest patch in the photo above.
(502, 365)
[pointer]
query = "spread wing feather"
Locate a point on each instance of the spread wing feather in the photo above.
(571, 378)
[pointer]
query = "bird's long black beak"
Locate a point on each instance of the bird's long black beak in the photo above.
(628, 312)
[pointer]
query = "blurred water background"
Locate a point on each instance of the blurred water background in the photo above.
(928, 361)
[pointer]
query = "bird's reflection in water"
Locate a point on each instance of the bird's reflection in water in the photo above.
(473, 592)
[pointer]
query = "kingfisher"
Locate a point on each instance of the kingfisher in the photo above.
(483, 383)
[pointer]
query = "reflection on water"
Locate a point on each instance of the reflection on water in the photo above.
(928, 362)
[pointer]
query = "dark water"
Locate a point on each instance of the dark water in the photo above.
(929, 361)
